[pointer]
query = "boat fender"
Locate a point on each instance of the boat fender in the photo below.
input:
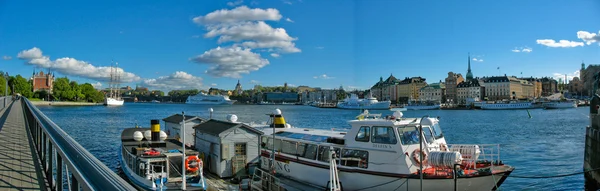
(415, 157)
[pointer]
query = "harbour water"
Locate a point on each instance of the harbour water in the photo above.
(551, 142)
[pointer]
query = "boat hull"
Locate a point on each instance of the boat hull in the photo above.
(560, 105)
(113, 102)
(506, 106)
(422, 107)
(319, 176)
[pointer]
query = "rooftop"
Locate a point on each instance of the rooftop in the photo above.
(177, 118)
(216, 127)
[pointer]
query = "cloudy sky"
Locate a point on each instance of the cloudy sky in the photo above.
(202, 44)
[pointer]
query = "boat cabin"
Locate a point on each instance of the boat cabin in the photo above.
(173, 126)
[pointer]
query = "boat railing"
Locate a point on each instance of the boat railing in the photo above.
(474, 154)
(55, 148)
(265, 181)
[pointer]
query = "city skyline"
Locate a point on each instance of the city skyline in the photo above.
(195, 45)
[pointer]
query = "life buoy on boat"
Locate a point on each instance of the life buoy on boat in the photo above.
(415, 156)
(443, 147)
(192, 159)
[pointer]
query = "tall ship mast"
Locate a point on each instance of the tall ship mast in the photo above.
(114, 98)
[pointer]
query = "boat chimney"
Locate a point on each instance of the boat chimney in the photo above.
(278, 120)
(155, 130)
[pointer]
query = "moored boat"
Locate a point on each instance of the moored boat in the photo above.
(507, 105)
(422, 106)
(560, 104)
(382, 154)
(368, 103)
(152, 162)
(205, 99)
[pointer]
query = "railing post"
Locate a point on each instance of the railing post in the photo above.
(50, 171)
(44, 161)
(59, 173)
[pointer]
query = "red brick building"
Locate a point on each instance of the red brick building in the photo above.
(42, 81)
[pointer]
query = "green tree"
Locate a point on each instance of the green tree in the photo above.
(61, 86)
(42, 94)
(21, 85)
(3, 85)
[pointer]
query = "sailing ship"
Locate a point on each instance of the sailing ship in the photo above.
(114, 97)
(152, 162)
(380, 154)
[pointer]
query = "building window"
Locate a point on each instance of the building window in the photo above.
(240, 149)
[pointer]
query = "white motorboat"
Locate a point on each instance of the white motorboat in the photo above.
(152, 162)
(368, 103)
(205, 99)
(380, 154)
(507, 105)
(560, 104)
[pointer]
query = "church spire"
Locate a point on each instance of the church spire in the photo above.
(469, 74)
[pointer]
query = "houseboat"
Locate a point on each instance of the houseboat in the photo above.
(380, 154)
(152, 162)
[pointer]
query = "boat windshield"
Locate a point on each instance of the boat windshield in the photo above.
(410, 135)
(437, 131)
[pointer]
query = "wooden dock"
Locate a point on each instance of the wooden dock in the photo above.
(17, 162)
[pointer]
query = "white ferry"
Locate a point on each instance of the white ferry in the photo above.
(152, 162)
(430, 106)
(368, 103)
(205, 99)
(380, 154)
(560, 104)
(507, 105)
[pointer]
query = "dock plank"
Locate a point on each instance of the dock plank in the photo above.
(17, 166)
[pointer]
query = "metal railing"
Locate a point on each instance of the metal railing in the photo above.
(55, 147)
(4, 102)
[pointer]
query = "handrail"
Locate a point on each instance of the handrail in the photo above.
(92, 173)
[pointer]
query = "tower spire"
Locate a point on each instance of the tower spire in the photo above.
(469, 74)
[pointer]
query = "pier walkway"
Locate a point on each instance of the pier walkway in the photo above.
(19, 170)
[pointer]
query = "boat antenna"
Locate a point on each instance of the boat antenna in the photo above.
(421, 150)
(182, 132)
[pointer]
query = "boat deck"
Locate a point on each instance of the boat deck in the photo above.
(18, 162)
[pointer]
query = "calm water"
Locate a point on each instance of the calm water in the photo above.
(549, 143)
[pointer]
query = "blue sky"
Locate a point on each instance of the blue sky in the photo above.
(202, 44)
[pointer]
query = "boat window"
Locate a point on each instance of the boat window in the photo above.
(384, 135)
(264, 142)
(288, 147)
(309, 151)
(428, 134)
(324, 153)
(363, 134)
(437, 131)
(408, 135)
(355, 158)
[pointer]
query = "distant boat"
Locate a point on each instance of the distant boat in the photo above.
(114, 97)
(560, 104)
(205, 99)
(155, 101)
(368, 103)
(507, 105)
(428, 105)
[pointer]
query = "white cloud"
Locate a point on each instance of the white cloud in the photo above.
(235, 3)
(287, 2)
(559, 44)
(570, 76)
(6, 57)
(521, 49)
(231, 62)
(588, 37)
(213, 85)
(289, 20)
(97, 85)
(175, 81)
(275, 55)
(238, 14)
(323, 76)
(477, 59)
(255, 34)
(71, 66)
(254, 82)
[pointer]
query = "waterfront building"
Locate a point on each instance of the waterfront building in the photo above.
(173, 126)
(409, 88)
(451, 82)
(537, 86)
(509, 88)
(323, 95)
(386, 90)
(226, 146)
(472, 89)
(42, 81)
(586, 75)
(575, 86)
(549, 86)
(279, 97)
(433, 92)
(238, 89)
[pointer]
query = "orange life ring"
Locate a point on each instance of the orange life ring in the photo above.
(443, 147)
(192, 158)
(416, 158)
